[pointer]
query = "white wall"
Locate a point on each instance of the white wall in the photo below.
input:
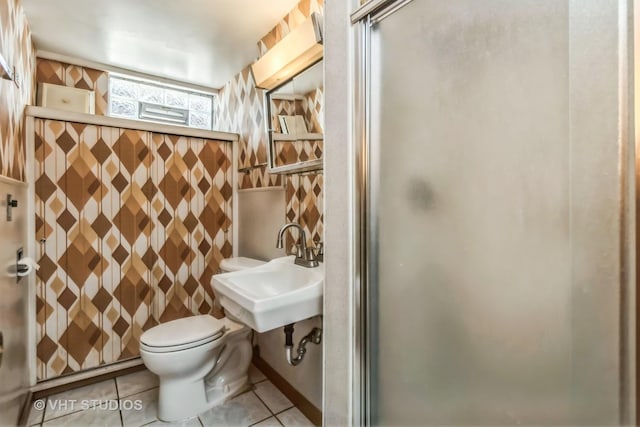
(260, 216)
(14, 377)
(307, 376)
(338, 159)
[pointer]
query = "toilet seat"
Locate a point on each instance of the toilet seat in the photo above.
(182, 334)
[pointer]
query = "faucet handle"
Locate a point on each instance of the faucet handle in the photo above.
(318, 251)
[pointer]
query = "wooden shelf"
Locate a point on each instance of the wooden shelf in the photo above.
(297, 136)
(307, 166)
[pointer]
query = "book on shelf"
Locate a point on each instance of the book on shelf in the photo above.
(283, 124)
(295, 124)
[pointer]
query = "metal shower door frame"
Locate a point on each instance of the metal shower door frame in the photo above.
(365, 223)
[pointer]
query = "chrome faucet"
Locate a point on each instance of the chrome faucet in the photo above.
(305, 256)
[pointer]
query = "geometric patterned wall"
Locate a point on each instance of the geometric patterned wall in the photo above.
(313, 109)
(18, 51)
(304, 204)
(310, 107)
(240, 110)
(135, 223)
(60, 73)
(290, 152)
(287, 107)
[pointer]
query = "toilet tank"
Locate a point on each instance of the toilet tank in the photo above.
(228, 265)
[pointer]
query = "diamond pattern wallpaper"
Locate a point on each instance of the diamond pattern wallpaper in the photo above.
(18, 51)
(60, 73)
(240, 110)
(305, 205)
(134, 224)
(313, 110)
(289, 152)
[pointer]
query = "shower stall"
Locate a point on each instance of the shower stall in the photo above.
(495, 224)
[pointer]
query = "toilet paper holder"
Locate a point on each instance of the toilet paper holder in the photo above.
(20, 268)
(24, 265)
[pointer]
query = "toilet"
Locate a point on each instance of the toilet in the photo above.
(201, 361)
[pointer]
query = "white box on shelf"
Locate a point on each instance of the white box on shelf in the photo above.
(66, 98)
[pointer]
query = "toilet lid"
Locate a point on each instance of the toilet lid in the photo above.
(183, 331)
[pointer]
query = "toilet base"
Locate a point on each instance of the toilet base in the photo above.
(180, 399)
(199, 400)
(218, 395)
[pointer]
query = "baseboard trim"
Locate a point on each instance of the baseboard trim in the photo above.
(302, 403)
(46, 392)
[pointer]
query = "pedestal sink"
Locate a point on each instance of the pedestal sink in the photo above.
(271, 295)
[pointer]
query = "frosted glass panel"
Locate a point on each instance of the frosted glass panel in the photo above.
(200, 120)
(124, 108)
(491, 301)
(124, 89)
(174, 98)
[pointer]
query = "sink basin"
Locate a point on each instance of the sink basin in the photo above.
(272, 295)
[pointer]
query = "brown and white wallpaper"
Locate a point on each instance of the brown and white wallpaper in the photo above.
(240, 110)
(304, 205)
(133, 225)
(313, 110)
(60, 73)
(17, 49)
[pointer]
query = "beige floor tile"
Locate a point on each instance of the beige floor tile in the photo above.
(243, 410)
(191, 422)
(89, 417)
(269, 422)
(140, 409)
(79, 399)
(294, 418)
(272, 397)
(36, 413)
(136, 383)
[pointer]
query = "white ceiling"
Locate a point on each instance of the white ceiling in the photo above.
(204, 42)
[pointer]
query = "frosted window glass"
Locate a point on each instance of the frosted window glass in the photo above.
(124, 89)
(174, 98)
(200, 103)
(200, 120)
(151, 94)
(124, 108)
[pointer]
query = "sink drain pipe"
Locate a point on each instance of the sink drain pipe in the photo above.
(315, 336)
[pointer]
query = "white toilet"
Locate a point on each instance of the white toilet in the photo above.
(201, 361)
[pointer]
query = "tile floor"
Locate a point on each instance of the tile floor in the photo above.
(131, 401)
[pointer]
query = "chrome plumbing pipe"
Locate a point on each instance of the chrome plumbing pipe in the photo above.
(315, 336)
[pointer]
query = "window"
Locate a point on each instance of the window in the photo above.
(145, 100)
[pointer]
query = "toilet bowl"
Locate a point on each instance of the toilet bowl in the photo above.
(201, 361)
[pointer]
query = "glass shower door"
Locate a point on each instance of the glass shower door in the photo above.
(494, 219)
